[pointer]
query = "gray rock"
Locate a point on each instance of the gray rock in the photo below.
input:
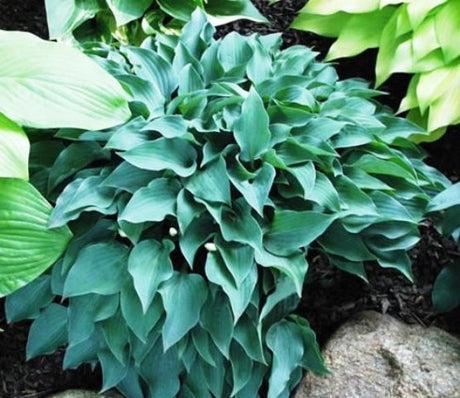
(85, 394)
(376, 356)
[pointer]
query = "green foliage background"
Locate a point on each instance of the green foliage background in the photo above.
(417, 37)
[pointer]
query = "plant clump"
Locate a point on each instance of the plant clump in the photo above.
(192, 222)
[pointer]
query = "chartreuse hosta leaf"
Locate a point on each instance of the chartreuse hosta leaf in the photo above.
(28, 247)
(193, 220)
(63, 87)
(412, 37)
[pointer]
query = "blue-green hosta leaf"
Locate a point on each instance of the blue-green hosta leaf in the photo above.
(152, 67)
(130, 385)
(59, 85)
(139, 322)
(285, 292)
(27, 302)
(72, 159)
(116, 336)
(259, 67)
(153, 202)
(28, 247)
(240, 296)
(312, 359)
(291, 230)
(128, 178)
(161, 372)
(162, 154)
(251, 129)
(211, 183)
(248, 336)
(240, 226)
(286, 357)
(241, 367)
(324, 193)
(183, 297)
(144, 93)
(129, 135)
(86, 351)
(337, 240)
(234, 51)
(215, 375)
(203, 343)
(99, 268)
(84, 311)
(306, 177)
(48, 332)
(397, 259)
(126, 11)
(83, 195)
(294, 266)
(239, 259)
(446, 288)
(448, 198)
(252, 387)
(217, 319)
(198, 232)
(190, 80)
(170, 126)
(149, 264)
(14, 150)
(195, 384)
(112, 370)
(256, 188)
(98, 231)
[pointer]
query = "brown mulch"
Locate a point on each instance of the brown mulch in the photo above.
(332, 296)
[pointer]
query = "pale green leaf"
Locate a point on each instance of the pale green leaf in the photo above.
(14, 150)
(63, 87)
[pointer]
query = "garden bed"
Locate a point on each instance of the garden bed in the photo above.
(330, 296)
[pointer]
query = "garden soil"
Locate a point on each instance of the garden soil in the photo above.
(330, 296)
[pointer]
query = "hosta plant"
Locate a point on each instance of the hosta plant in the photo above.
(412, 36)
(193, 221)
(445, 209)
(42, 84)
(130, 21)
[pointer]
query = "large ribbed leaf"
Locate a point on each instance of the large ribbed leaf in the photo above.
(14, 150)
(46, 84)
(27, 246)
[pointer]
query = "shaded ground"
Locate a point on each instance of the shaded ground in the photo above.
(332, 296)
